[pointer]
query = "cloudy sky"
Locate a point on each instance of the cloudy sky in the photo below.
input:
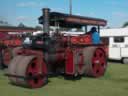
(27, 11)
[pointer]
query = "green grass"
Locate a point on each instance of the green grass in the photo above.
(114, 83)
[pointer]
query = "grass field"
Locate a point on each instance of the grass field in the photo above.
(114, 83)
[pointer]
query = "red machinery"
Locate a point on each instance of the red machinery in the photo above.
(10, 41)
(58, 54)
(9, 51)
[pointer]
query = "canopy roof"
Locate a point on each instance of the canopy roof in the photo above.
(67, 20)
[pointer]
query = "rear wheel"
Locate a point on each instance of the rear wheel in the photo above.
(95, 60)
(125, 60)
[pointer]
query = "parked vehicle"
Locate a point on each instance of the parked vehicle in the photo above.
(117, 41)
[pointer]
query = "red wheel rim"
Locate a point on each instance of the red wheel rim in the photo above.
(98, 63)
(33, 70)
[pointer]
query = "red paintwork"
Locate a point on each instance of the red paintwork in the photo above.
(3, 36)
(81, 61)
(83, 40)
(7, 56)
(60, 57)
(69, 64)
(13, 42)
(80, 40)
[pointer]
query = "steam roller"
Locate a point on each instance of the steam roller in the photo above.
(59, 53)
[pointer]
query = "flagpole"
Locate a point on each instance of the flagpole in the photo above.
(70, 7)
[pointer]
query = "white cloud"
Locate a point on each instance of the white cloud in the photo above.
(58, 9)
(22, 18)
(120, 14)
(78, 13)
(27, 4)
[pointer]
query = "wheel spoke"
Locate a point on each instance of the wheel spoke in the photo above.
(98, 63)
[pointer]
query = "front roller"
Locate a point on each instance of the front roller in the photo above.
(95, 61)
(28, 71)
(12, 68)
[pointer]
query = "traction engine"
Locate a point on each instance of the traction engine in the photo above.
(9, 44)
(71, 55)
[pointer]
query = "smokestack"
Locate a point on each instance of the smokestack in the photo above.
(46, 17)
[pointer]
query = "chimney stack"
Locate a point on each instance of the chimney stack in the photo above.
(46, 21)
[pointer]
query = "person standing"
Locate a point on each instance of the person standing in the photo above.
(95, 36)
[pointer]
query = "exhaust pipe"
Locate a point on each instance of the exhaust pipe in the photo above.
(46, 20)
